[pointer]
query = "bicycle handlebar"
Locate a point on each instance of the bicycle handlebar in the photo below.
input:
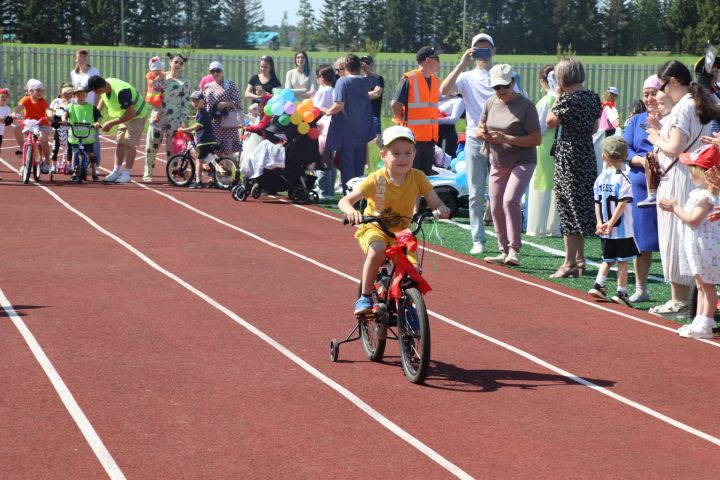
(421, 217)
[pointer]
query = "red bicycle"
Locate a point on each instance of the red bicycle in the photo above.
(398, 303)
(32, 161)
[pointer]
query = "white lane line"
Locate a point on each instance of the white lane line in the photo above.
(500, 343)
(350, 396)
(526, 355)
(67, 398)
(530, 283)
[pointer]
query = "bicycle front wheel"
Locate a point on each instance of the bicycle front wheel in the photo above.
(37, 170)
(414, 335)
(225, 178)
(27, 165)
(81, 162)
(180, 169)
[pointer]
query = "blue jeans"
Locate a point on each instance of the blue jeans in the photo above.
(478, 165)
(352, 164)
(326, 181)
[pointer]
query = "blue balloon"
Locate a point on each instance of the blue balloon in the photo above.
(461, 180)
(461, 155)
(453, 163)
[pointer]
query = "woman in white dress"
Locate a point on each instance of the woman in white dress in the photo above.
(688, 121)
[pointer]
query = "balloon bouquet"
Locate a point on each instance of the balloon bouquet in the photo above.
(287, 110)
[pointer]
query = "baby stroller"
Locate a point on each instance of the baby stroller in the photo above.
(291, 176)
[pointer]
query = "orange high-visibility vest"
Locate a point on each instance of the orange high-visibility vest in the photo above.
(422, 108)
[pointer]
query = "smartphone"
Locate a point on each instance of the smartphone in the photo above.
(643, 126)
(482, 53)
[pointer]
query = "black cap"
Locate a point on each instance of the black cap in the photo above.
(95, 82)
(367, 59)
(427, 52)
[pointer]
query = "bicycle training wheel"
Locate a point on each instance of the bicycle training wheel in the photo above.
(27, 165)
(225, 179)
(180, 169)
(414, 335)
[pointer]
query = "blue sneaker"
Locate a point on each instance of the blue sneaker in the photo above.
(363, 305)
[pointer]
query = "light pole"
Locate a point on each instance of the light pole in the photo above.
(122, 22)
(464, 8)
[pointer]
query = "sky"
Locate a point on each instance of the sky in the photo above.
(274, 10)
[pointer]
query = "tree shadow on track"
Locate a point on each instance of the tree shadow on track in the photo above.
(445, 376)
(19, 310)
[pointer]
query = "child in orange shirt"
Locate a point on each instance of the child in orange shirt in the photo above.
(155, 79)
(34, 107)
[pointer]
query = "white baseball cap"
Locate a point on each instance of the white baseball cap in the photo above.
(613, 90)
(215, 65)
(482, 36)
(391, 134)
(34, 84)
(156, 64)
(501, 74)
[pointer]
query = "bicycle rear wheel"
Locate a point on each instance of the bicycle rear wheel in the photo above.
(373, 345)
(414, 335)
(27, 164)
(180, 169)
(37, 170)
(225, 179)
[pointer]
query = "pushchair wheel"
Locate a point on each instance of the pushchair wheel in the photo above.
(314, 197)
(334, 350)
(256, 191)
(298, 195)
(239, 193)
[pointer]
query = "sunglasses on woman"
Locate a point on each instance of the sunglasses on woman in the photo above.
(662, 87)
(215, 70)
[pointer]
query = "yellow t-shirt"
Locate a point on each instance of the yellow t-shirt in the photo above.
(394, 203)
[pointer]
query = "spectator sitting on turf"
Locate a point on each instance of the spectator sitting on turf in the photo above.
(613, 192)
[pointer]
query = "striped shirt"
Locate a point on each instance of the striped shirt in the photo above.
(612, 187)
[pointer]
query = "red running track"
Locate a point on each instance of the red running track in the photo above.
(159, 309)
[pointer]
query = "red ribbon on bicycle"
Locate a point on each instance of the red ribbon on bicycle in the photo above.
(403, 266)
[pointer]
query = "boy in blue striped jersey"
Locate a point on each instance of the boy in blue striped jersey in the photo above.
(613, 193)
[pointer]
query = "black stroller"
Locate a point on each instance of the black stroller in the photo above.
(300, 152)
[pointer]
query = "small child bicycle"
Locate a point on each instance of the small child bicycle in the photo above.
(80, 159)
(32, 162)
(180, 168)
(398, 302)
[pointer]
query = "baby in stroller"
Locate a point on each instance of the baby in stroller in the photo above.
(276, 158)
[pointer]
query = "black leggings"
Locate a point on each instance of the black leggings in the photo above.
(56, 147)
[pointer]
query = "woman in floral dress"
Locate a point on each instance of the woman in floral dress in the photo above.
(221, 94)
(577, 112)
(173, 116)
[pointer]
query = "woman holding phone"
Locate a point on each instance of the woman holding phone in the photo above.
(262, 82)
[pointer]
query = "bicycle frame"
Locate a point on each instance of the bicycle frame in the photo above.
(32, 139)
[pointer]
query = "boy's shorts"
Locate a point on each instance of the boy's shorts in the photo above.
(129, 133)
(618, 249)
(205, 150)
(367, 234)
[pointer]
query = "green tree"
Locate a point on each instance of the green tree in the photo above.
(648, 20)
(708, 27)
(373, 18)
(38, 22)
(681, 20)
(306, 26)
(235, 24)
(332, 32)
(578, 24)
(401, 26)
(618, 27)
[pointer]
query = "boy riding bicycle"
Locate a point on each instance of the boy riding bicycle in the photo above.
(391, 193)
(205, 137)
(83, 112)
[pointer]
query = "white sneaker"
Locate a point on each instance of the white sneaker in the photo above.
(512, 258)
(640, 296)
(112, 176)
(695, 331)
(499, 260)
(123, 178)
(477, 249)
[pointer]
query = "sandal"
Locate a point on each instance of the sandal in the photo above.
(670, 306)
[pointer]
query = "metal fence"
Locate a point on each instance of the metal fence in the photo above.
(52, 66)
